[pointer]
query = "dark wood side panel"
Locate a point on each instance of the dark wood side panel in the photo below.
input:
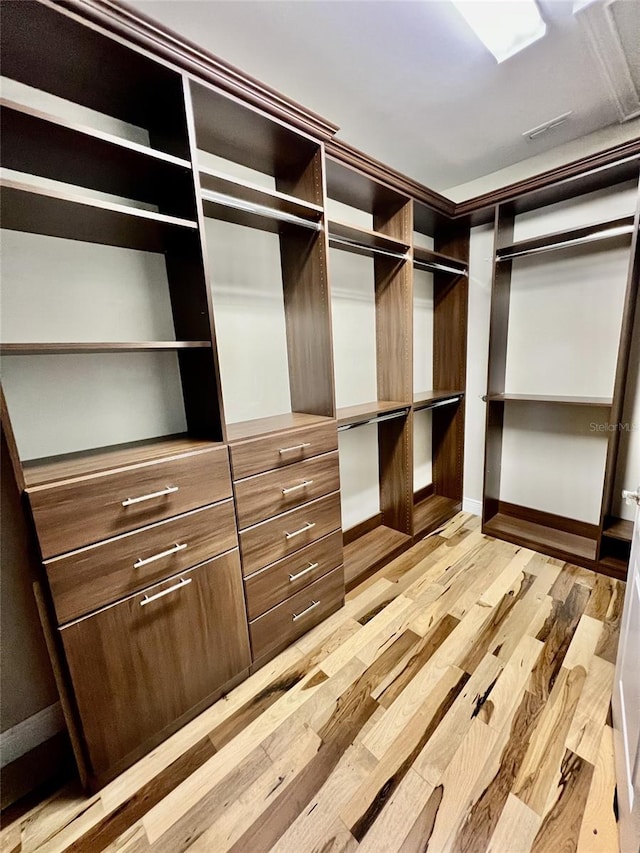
(136, 669)
(308, 321)
(394, 319)
(548, 519)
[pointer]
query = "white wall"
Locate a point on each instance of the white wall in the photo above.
(359, 474)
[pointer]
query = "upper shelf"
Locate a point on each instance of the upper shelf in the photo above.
(78, 348)
(596, 402)
(244, 203)
(53, 147)
(242, 430)
(437, 262)
(432, 399)
(365, 242)
(364, 413)
(60, 213)
(609, 230)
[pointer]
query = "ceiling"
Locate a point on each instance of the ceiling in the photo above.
(408, 82)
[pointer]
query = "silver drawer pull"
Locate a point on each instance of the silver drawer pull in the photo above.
(306, 571)
(295, 447)
(304, 529)
(147, 560)
(149, 598)
(311, 607)
(168, 491)
(296, 488)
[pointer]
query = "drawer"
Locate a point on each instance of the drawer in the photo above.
(297, 615)
(93, 577)
(138, 666)
(256, 455)
(265, 495)
(77, 512)
(270, 586)
(283, 535)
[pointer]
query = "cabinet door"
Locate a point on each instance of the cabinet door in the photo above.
(142, 664)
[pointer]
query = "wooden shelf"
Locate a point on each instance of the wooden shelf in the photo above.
(276, 423)
(364, 241)
(39, 143)
(57, 213)
(37, 472)
(371, 550)
(596, 402)
(614, 566)
(433, 511)
(598, 232)
(72, 348)
(361, 414)
(429, 399)
(252, 194)
(437, 261)
(539, 537)
(619, 528)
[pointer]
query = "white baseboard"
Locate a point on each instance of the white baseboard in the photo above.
(471, 505)
(28, 734)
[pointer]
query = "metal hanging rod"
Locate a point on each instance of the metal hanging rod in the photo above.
(376, 420)
(428, 266)
(448, 402)
(355, 244)
(259, 209)
(608, 233)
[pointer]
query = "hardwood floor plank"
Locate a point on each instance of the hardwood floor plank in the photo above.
(503, 583)
(509, 689)
(599, 828)
(547, 746)
(364, 807)
(607, 647)
(569, 575)
(589, 720)
(394, 824)
(516, 828)
(604, 590)
(583, 643)
(560, 829)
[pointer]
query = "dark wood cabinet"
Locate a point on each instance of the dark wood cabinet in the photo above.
(142, 666)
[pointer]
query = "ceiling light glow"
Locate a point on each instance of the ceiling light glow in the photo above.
(504, 28)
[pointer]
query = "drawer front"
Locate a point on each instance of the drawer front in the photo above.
(283, 535)
(256, 455)
(277, 582)
(297, 615)
(139, 665)
(266, 495)
(85, 510)
(93, 577)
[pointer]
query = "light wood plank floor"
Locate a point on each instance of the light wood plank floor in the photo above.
(459, 702)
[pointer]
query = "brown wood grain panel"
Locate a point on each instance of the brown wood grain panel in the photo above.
(93, 577)
(278, 627)
(262, 496)
(395, 460)
(272, 585)
(84, 510)
(448, 450)
(358, 530)
(136, 669)
(267, 542)
(559, 522)
(364, 555)
(255, 455)
(307, 314)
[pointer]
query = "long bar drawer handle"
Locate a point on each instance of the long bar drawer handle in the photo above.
(177, 547)
(149, 598)
(311, 607)
(306, 571)
(295, 447)
(168, 491)
(308, 526)
(296, 488)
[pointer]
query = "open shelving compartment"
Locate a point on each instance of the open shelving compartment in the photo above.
(261, 192)
(558, 366)
(107, 340)
(369, 239)
(440, 297)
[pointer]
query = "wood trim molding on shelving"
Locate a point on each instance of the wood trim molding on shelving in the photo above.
(136, 27)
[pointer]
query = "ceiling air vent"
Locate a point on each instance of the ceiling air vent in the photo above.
(535, 132)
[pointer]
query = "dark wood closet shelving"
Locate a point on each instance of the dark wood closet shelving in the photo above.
(595, 402)
(540, 537)
(429, 399)
(72, 216)
(229, 209)
(72, 348)
(619, 528)
(431, 511)
(276, 423)
(592, 234)
(438, 262)
(253, 194)
(372, 550)
(365, 412)
(363, 240)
